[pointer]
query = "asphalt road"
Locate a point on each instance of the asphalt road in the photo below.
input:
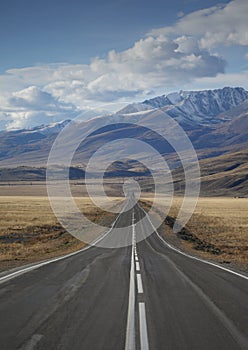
(144, 296)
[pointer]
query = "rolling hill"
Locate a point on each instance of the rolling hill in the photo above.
(223, 175)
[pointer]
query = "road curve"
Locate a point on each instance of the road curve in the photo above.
(144, 296)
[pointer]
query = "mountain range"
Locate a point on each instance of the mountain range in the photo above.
(191, 108)
(216, 122)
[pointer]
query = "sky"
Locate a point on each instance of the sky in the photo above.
(62, 58)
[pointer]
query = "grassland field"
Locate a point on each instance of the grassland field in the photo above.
(217, 230)
(29, 231)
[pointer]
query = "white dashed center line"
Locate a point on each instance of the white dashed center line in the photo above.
(139, 284)
(130, 333)
(143, 327)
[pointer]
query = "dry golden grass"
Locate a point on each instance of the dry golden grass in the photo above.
(18, 212)
(221, 222)
(38, 188)
(29, 231)
(23, 188)
(29, 220)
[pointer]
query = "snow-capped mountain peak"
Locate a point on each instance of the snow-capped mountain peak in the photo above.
(190, 107)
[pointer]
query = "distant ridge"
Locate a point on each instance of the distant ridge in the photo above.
(194, 107)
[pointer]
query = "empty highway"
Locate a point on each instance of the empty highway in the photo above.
(144, 296)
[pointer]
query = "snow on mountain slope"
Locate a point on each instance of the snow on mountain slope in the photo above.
(53, 128)
(195, 107)
(135, 107)
(189, 108)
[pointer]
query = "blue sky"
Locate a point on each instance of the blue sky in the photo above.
(61, 57)
(74, 31)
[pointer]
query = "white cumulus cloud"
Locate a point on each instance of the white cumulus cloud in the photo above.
(224, 24)
(152, 62)
(32, 106)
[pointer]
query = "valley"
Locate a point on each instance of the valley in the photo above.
(218, 131)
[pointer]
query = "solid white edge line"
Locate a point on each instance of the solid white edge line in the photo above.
(130, 330)
(36, 266)
(139, 284)
(190, 256)
(144, 345)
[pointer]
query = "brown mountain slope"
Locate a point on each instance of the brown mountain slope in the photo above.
(223, 175)
(32, 148)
